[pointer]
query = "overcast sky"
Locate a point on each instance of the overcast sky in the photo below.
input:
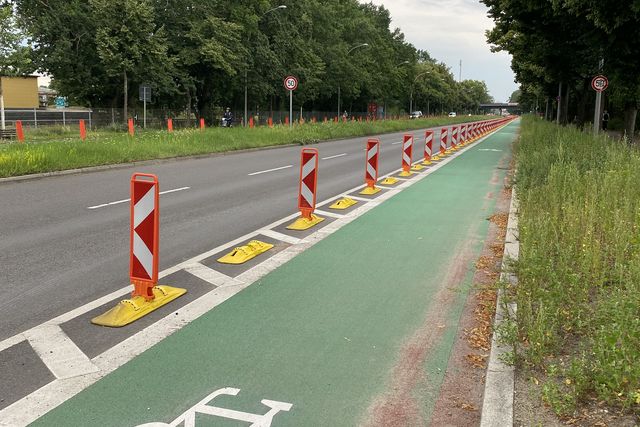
(453, 30)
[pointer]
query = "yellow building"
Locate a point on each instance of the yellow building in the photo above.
(20, 92)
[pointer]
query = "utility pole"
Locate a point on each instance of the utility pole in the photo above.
(597, 115)
(460, 75)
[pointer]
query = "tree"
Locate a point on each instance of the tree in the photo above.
(15, 56)
(129, 42)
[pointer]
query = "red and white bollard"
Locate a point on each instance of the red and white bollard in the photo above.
(19, 131)
(371, 167)
(407, 154)
(145, 221)
(307, 190)
(144, 247)
(428, 147)
(443, 141)
(454, 137)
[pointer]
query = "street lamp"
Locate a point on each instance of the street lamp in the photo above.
(348, 52)
(246, 112)
(413, 87)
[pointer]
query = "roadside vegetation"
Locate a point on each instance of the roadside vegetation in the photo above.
(61, 149)
(578, 293)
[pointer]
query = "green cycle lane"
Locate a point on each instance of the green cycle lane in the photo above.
(329, 332)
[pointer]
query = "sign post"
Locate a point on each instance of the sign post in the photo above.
(599, 84)
(144, 96)
(290, 84)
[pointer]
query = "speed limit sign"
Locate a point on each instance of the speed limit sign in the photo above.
(599, 83)
(290, 83)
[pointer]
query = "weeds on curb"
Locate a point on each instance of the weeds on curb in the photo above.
(578, 290)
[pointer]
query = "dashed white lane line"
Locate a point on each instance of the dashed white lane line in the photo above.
(396, 143)
(270, 170)
(334, 157)
(63, 358)
(279, 236)
(117, 202)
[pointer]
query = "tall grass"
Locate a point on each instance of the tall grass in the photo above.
(579, 269)
(47, 150)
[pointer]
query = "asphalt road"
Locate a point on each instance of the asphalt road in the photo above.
(56, 254)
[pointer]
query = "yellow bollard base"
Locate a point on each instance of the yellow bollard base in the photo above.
(244, 253)
(426, 162)
(305, 223)
(370, 191)
(344, 203)
(389, 181)
(405, 173)
(130, 310)
(417, 167)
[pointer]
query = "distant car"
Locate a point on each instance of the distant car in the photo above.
(452, 114)
(415, 115)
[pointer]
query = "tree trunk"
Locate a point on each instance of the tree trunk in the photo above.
(125, 114)
(189, 107)
(564, 116)
(630, 113)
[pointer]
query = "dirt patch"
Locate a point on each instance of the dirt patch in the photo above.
(398, 407)
(460, 399)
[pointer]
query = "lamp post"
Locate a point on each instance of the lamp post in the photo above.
(348, 52)
(246, 97)
(413, 87)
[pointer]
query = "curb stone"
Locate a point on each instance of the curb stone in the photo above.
(497, 406)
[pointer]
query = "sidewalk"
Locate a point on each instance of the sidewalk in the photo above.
(355, 330)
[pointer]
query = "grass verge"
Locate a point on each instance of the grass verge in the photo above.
(50, 150)
(578, 293)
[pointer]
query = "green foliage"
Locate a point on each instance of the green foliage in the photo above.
(14, 55)
(200, 54)
(579, 267)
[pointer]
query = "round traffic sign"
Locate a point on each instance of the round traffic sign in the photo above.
(290, 83)
(599, 83)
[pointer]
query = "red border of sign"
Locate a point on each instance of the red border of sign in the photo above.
(593, 82)
(284, 82)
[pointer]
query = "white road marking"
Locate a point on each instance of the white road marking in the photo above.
(63, 358)
(279, 236)
(209, 275)
(488, 149)
(396, 143)
(334, 157)
(270, 170)
(329, 214)
(117, 202)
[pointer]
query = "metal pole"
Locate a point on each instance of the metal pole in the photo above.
(64, 118)
(2, 124)
(338, 100)
(596, 114)
(35, 118)
(90, 127)
(559, 103)
(245, 98)
(144, 108)
(290, 108)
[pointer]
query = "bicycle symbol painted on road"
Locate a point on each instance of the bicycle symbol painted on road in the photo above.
(188, 419)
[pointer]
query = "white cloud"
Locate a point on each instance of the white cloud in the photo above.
(454, 30)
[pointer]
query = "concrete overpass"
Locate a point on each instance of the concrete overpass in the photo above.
(511, 107)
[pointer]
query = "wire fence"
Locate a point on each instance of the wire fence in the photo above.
(157, 118)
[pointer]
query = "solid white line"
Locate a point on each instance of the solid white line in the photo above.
(333, 157)
(117, 202)
(270, 170)
(63, 358)
(396, 143)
